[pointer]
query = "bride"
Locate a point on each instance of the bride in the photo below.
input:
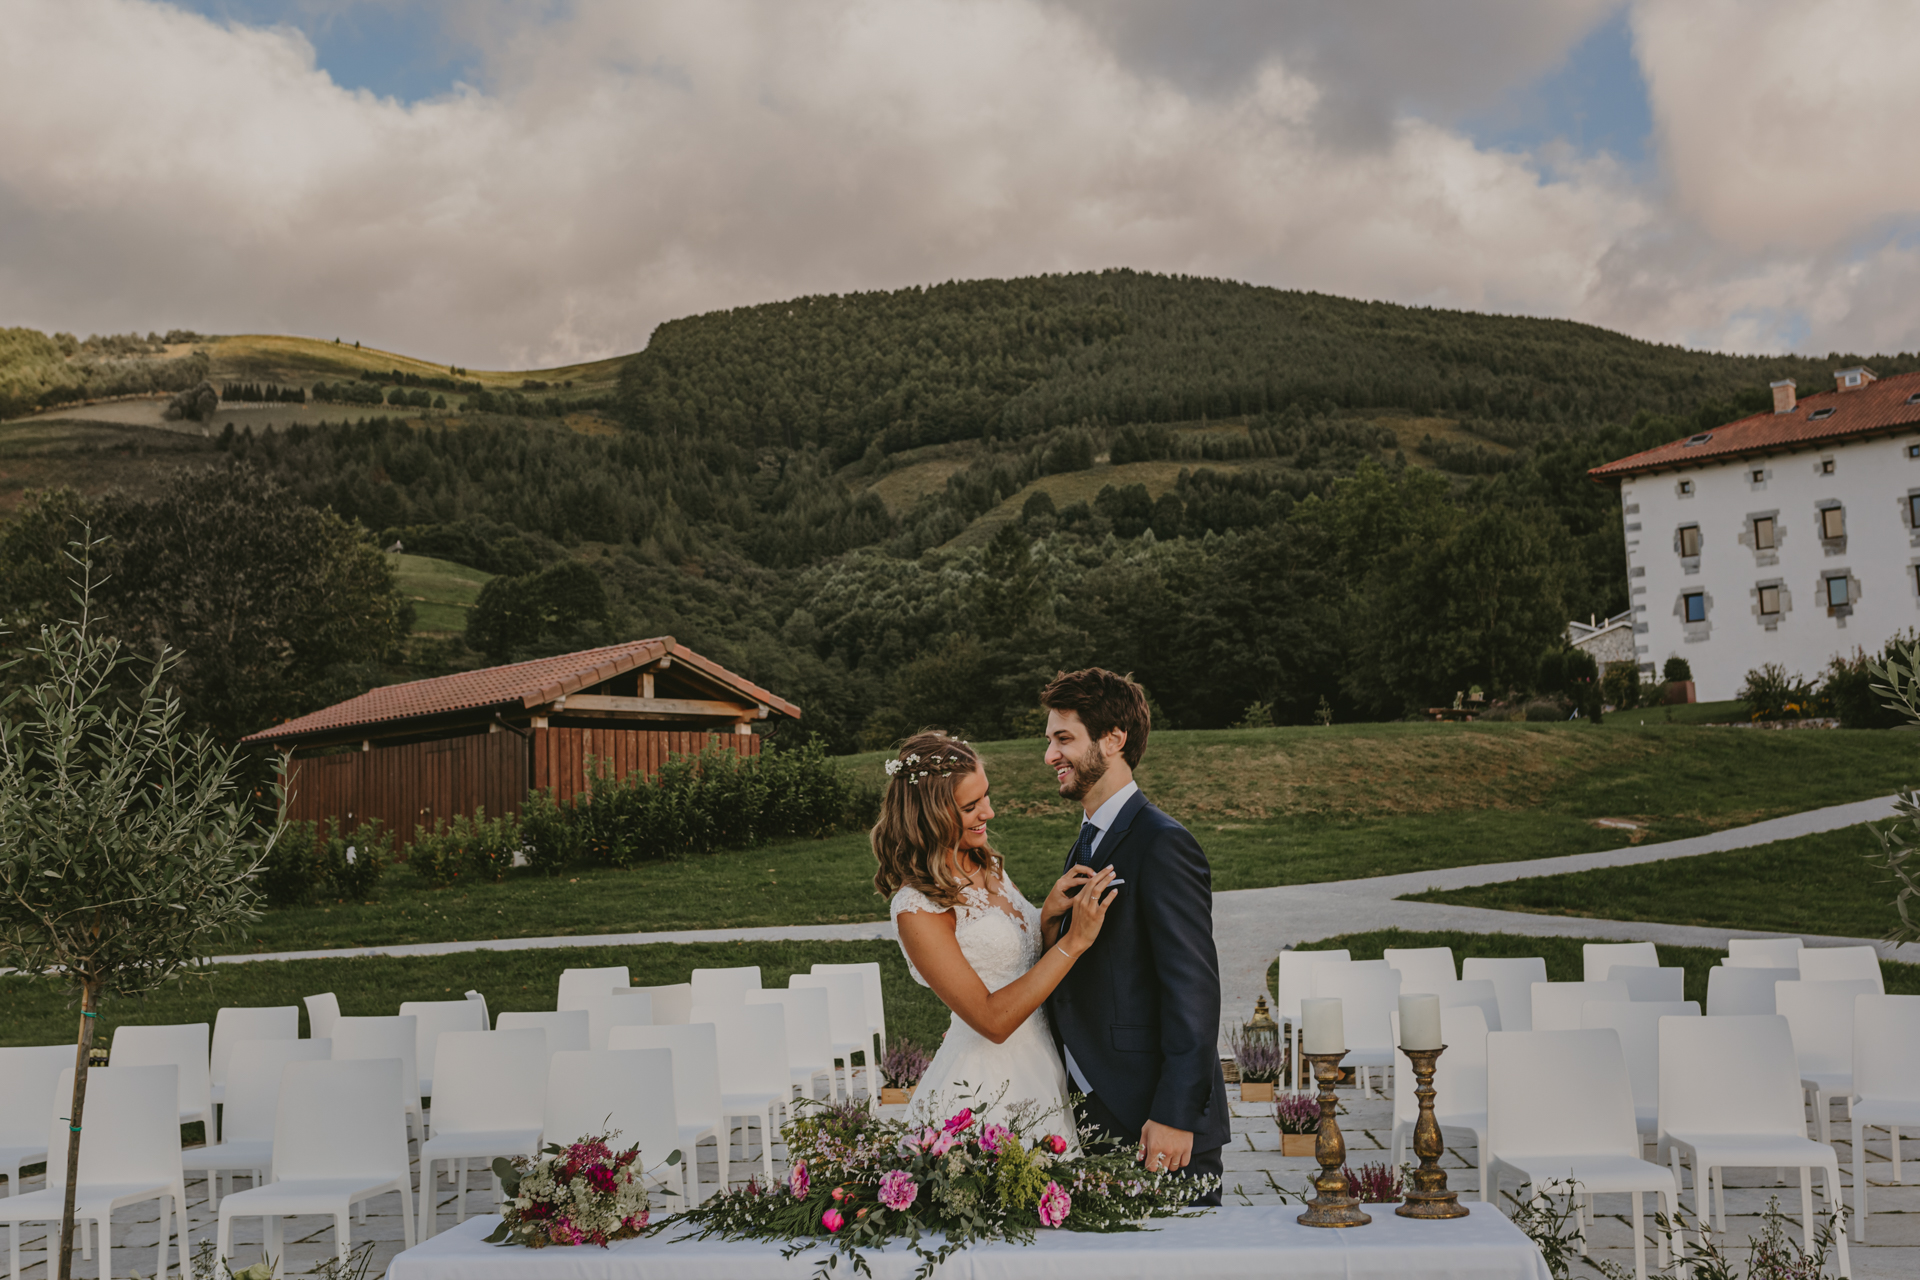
(970, 935)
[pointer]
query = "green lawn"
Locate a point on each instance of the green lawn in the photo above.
(441, 591)
(1278, 806)
(1732, 712)
(1565, 962)
(35, 1011)
(1818, 884)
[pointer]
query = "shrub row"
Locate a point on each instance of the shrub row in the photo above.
(468, 848)
(325, 861)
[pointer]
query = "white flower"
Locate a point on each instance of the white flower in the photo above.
(893, 767)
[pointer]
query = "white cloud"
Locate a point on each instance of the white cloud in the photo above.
(625, 164)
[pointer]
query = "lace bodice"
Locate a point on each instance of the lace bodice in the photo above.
(994, 943)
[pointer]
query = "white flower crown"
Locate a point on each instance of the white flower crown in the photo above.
(913, 768)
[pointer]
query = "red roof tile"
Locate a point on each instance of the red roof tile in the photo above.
(518, 685)
(1879, 407)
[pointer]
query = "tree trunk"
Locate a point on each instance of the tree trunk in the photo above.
(89, 1014)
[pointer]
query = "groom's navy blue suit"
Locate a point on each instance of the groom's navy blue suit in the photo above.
(1140, 1012)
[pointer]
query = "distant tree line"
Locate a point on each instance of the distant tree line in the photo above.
(261, 393)
(41, 372)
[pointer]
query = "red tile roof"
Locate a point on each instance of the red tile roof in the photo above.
(1878, 408)
(519, 685)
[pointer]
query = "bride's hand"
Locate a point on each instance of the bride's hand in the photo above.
(1089, 913)
(1060, 897)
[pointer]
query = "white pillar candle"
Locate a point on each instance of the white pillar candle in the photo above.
(1420, 1022)
(1323, 1028)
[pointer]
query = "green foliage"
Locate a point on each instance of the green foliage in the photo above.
(552, 839)
(1771, 694)
(556, 609)
(1850, 686)
(37, 371)
(326, 861)
(1897, 681)
(472, 847)
(1621, 686)
(1676, 671)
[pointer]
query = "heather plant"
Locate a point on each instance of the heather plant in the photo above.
(1297, 1113)
(1260, 1058)
(902, 1065)
(1376, 1183)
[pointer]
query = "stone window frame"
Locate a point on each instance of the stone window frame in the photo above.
(1684, 488)
(1784, 598)
(1826, 465)
(1763, 473)
(1913, 579)
(1910, 515)
(1689, 564)
(1833, 546)
(1839, 612)
(1762, 556)
(1694, 632)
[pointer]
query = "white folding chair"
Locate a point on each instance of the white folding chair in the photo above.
(322, 1011)
(1560, 1109)
(339, 1140)
(129, 1153)
(565, 1029)
(28, 1074)
(430, 1019)
(1637, 1023)
(579, 988)
(696, 1090)
(1293, 983)
(1367, 996)
(251, 1110)
(486, 1023)
(1660, 985)
(876, 1000)
(809, 1047)
(1764, 953)
(1602, 956)
(183, 1045)
(491, 1101)
(1820, 1017)
(1741, 991)
(846, 1023)
(386, 1037)
(1512, 978)
(1480, 993)
(672, 1003)
(1886, 1083)
(1842, 964)
(619, 1007)
(723, 986)
(1428, 970)
(630, 1091)
(1730, 1098)
(1556, 1005)
(233, 1024)
(754, 1078)
(1459, 1084)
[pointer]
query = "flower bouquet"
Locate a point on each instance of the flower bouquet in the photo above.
(586, 1193)
(857, 1181)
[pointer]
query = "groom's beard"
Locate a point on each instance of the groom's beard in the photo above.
(1085, 775)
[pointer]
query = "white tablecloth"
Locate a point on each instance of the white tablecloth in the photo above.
(1227, 1244)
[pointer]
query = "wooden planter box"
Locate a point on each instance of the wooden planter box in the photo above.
(1678, 692)
(1298, 1145)
(1251, 1092)
(890, 1096)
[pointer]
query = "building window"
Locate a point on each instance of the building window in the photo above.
(1913, 510)
(1690, 540)
(1913, 450)
(1769, 601)
(1759, 476)
(1686, 486)
(1837, 593)
(1826, 466)
(1819, 415)
(1833, 522)
(1693, 606)
(1853, 379)
(1763, 533)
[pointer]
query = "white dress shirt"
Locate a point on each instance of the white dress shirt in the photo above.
(1102, 818)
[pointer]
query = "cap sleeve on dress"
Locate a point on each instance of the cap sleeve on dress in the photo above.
(905, 899)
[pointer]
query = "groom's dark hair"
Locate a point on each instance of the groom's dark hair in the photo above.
(1104, 702)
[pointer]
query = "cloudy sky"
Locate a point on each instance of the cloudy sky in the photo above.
(507, 183)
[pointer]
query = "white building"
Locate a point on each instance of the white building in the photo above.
(1785, 537)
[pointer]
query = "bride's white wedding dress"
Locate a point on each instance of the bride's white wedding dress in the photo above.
(970, 1070)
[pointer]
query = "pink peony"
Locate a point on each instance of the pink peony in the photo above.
(941, 1143)
(638, 1221)
(832, 1220)
(797, 1180)
(959, 1122)
(1056, 1144)
(1055, 1205)
(993, 1137)
(898, 1189)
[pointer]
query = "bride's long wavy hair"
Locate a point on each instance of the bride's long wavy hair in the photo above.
(920, 820)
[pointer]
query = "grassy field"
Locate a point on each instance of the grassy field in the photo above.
(1272, 806)
(441, 592)
(92, 457)
(36, 1011)
(1818, 884)
(1565, 962)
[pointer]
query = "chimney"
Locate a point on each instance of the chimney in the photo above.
(1783, 396)
(1852, 379)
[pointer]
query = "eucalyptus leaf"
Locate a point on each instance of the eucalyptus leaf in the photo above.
(498, 1235)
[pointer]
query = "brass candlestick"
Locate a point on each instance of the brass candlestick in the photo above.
(1335, 1205)
(1428, 1197)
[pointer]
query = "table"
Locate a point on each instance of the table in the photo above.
(1236, 1243)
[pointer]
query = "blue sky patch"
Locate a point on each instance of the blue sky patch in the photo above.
(394, 50)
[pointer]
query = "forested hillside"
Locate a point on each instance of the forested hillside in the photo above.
(913, 507)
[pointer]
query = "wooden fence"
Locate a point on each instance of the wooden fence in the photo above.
(427, 783)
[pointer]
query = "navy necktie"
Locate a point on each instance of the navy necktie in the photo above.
(1082, 855)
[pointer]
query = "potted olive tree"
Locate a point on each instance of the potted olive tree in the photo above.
(130, 844)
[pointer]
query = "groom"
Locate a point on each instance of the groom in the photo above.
(1139, 1018)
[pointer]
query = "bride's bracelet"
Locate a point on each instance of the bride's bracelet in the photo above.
(1068, 954)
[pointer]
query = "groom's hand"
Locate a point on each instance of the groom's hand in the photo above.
(1164, 1148)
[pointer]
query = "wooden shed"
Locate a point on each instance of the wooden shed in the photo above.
(417, 754)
